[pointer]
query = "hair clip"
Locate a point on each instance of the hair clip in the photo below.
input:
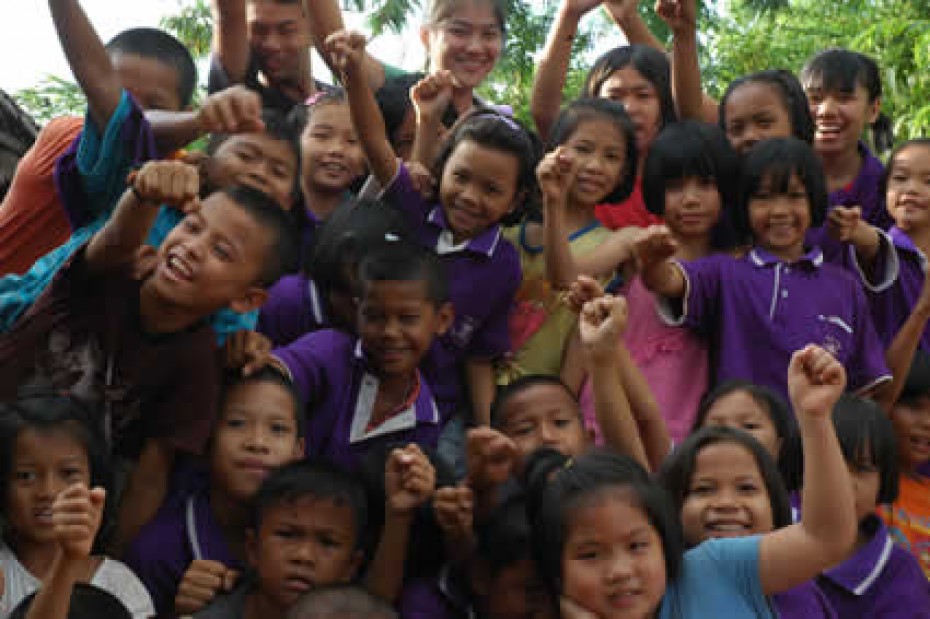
(314, 98)
(507, 120)
(390, 237)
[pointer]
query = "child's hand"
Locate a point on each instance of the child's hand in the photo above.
(432, 95)
(601, 323)
(234, 110)
(346, 50)
(248, 350)
(680, 15)
(815, 381)
(421, 179)
(842, 222)
(556, 174)
(455, 511)
(202, 581)
(621, 10)
(654, 246)
(76, 515)
(144, 264)
(491, 458)
(167, 182)
(409, 479)
(569, 609)
(584, 289)
(581, 7)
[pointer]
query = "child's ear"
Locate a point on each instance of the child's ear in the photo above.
(253, 299)
(299, 449)
(357, 559)
(518, 200)
(875, 108)
(444, 317)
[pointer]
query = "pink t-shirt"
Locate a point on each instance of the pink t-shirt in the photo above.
(673, 361)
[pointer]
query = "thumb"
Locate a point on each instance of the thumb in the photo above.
(98, 496)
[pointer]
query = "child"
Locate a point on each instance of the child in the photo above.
(340, 602)
(880, 579)
(725, 485)
(781, 293)
(484, 173)
(199, 532)
(365, 390)
(52, 452)
(908, 516)
(608, 541)
(306, 530)
(592, 159)
(157, 393)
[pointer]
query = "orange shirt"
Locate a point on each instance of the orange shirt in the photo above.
(908, 520)
(32, 219)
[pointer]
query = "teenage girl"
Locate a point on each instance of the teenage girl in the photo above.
(609, 541)
(49, 444)
(781, 294)
(592, 159)
(484, 173)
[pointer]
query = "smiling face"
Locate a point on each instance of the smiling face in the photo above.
(612, 561)
(331, 155)
(477, 188)
(779, 220)
(692, 207)
(907, 197)
(840, 117)
(279, 36)
(640, 99)
(755, 111)
(543, 415)
(726, 497)
(598, 150)
(258, 161)
(911, 423)
(44, 462)
(467, 42)
(740, 410)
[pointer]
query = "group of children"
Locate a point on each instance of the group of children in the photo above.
(381, 350)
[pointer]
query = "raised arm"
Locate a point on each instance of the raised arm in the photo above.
(625, 14)
(326, 19)
(231, 38)
(430, 96)
(347, 50)
(653, 251)
(88, 59)
(681, 16)
(827, 531)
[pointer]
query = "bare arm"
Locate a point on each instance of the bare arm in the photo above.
(431, 96)
(479, 375)
(653, 251)
(231, 38)
(681, 16)
(626, 15)
(325, 19)
(652, 429)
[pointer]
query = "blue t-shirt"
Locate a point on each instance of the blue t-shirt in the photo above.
(719, 578)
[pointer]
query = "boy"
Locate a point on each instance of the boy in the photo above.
(140, 348)
(199, 532)
(308, 527)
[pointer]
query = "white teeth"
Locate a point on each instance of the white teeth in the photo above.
(727, 526)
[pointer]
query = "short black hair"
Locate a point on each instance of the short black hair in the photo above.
(557, 485)
(282, 251)
(778, 159)
(917, 383)
(504, 538)
(87, 602)
(789, 91)
(300, 115)
(652, 64)
(841, 70)
(159, 45)
(867, 440)
(340, 602)
(404, 261)
(268, 374)
(393, 100)
(600, 109)
(504, 393)
(678, 469)
(317, 479)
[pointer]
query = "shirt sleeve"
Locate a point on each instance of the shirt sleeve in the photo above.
(493, 339)
(699, 304)
(736, 560)
(116, 578)
(867, 367)
(401, 193)
(305, 360)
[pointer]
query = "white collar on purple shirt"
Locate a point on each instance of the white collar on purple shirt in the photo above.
(862, 569)
(761, 258)
(485, 243)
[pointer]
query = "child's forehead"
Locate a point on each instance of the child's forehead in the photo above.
(154, 84)
(56, 443)
(312, 511)
(264, 144)
(412, 291)
(259, 399)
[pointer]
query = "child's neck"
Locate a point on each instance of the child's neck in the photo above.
(321, 203)
(578, 217)
(36, 558)
(692, 248)
(393, 392)
(232, 516)
(841, 169)
(921, 239)
(160, 316)
(463, 99)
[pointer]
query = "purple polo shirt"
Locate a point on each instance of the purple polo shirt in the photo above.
(880, 580)
(891, 306)
(294, 308)
(759, 310)
(805, 601)
(183, 530)
(483, 276)
(339, 385)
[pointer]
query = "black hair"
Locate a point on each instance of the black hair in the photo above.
(489, 128)
(158, 45)
(678, 469)
(790, 92)
(867, 440)
(438, 10)
(587, 109)
(268, 374)
(340, 602)
(917, 383)
(889, 168)
(842, 70)
(393, 100)
(87, 602)
(504, 537)
(557, 485)
(505, 392)
(41, 409)
(300, 115)
(689, 149)
(777, 160)
(652, 64)
(317, 479)
(282, 251)
(404, 261)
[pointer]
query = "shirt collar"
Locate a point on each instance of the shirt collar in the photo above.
(861, 570)
(762, 258)
(902, 241)
(485, 243)
(424, 414)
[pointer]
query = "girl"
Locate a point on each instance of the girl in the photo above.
(725, 484)
(688, 179)
(880, 579)
(484, 173)
(592, 158)
(908, 516)
(609, 542)
(49, 444)
(780, 294)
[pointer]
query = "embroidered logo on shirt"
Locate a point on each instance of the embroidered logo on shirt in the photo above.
(462, 332)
